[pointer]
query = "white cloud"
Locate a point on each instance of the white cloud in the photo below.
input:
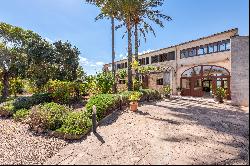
(83, 61)
(99, 63)
(121, 56)
(48, 39)
(144, 52)
(86, 62)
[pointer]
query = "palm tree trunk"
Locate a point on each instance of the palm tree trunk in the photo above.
(114, 89)
(5, 82)
(136, 51)
(130, 86)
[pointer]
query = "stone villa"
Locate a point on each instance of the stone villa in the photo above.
(199, 66)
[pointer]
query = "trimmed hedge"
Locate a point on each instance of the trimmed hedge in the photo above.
(75, 123)
(104, 103)
(150, 94)
(147, 95)
(107, 102)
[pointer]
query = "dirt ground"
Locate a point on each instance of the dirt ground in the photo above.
(18, 145)
(167, 132)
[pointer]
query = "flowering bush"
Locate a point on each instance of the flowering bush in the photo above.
(48, 116)
(65, 92)
(135, 96)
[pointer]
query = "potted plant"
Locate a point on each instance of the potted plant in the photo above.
(220, 94)
(167, 91)
(178, 90)
(134, 98)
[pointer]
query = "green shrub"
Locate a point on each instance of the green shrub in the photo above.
(150, 94)
(167, 90)
(76, 123)
(103, 103)
(41, 98)
(29, 101)
(135, 96)
(23, 102)
(16, 86)
(48, 116)
(147, 94)
(104, 82)
(21, 115)
(65, 92)
(125, 96)
(7, 109)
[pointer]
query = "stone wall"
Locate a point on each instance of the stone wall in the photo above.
(240, 70)
(152, 82)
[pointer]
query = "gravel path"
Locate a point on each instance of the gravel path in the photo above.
(20, 146)
(167, 132)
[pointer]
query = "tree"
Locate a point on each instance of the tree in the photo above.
(67, 61)
(13, 57)
(41, 62)
(109, 10)
(146, 10)
(30, 56)
(11, 65)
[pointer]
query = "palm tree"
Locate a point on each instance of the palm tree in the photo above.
(108, 10)
(146, 10)
(126, 9)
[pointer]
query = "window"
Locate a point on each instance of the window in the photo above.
(118, 66)
(147, 60)
(171, 55)
(126, 64)
(197, 84)
(140, 62)
(227, 45)
(155, 59)
(122, 65)
(216, 47)
(222, 46)
(167, 56)
(163, 57)
(122, 81)
(185, 83)
(192, 52)
(210, 48)
(206, 49)
(159, 81)
(143, 61)
(201, 51)
(184, 54)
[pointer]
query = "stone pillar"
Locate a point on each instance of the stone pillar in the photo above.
(240, 70)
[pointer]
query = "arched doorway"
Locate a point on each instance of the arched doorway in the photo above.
(202, 80)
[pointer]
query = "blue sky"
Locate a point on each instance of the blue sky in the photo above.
(73, 20)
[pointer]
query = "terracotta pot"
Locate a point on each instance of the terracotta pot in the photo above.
(220, 99)
(167, 96)
(133, 106)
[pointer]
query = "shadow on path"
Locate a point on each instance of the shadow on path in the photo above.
(99, 137)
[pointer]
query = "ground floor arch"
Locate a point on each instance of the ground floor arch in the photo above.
(203, 80)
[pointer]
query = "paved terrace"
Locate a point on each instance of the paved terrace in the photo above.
(167, 132)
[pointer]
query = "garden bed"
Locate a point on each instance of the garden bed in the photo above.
(21, 146)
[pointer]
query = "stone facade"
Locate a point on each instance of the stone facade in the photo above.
(240, 70)
(180, 63)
